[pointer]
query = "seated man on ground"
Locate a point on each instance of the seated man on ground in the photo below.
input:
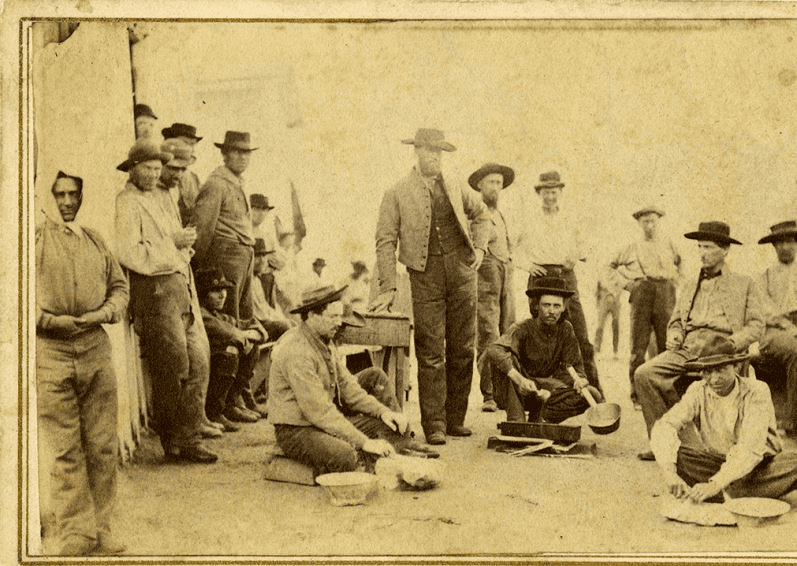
(739, 450)
(528, 364)
(233, 352)
(323, 416)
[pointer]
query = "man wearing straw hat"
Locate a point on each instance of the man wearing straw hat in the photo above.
(79, 287)
(528, 364)
(550, 244)
(648, 270)
(156, 250)
(778, 348)
(440, 230)
(716, 302)
(224, 224)
(323, 416)
(739, 451)
(495, 312)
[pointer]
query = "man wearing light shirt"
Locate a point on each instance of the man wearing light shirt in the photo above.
(738, 450)
(550, 245)
(648, 269)
(778, 348)
(156, 249)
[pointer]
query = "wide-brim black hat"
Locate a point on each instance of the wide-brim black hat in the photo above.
(430, 137)
(144, 150)
(239, 141)
(177, 130)
(549, 286)
(211, 279)
(318, 296)
(489, 168)
(718, 351)
(781, 231)
(713, 231)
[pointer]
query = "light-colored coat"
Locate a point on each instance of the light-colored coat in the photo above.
(740, 299)
(405, 219)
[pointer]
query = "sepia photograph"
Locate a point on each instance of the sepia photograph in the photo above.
(457, 285)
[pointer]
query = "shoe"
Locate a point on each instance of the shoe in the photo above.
(198, 454)
(253, 413)
(107, 544)
(646, 456)
(209, 422)
(418, 450)
(209, 431)
(489, 406)
(226, 424)
(77, 546)
(436, 438)
(237, 415)
(458, 430)
(262, 412)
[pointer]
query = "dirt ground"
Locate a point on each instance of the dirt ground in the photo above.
(490, 505)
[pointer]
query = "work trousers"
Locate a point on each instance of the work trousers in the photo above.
(236, 261)
(444, 312)
(608, 305)
(778, 366)
(495, 311)
(326, 453)
(652, 303)
(175, 348)
(773, 477)
(76, 403)
(230, 372)
(563, 404)
(660, 382)
(576, 317)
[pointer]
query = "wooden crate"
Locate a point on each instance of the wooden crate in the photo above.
(386, 329)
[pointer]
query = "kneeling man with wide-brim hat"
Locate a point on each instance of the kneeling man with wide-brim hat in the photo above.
(323, 416)
(528, 364)
(738, 450)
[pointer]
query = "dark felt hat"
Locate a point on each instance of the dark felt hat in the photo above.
(488, 168)
(177, 130)
(260, 247)
(549, 286)
(713, 231)
(143, 110)
(236, 140)
(320, 261)
(143, 150)
(549, 180)
(781, 231)
(319, 296)
(717, 351)
(211, 279)
(647, 210)
(259, 201)
(430, 137)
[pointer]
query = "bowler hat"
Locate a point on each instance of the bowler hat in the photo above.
(549, 180)
(781, 231)
(713, 231)
(143, 110)
(178, 130)
(259, 201)
(236, 140)
(320, 261)
(211, 279)
(319, 296)
(182, 153)
(430, 137)
(549, 286)
(488, 168)
(647, 210)
(143, 150)
(717, 351)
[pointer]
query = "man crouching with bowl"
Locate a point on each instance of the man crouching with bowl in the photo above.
(323, 416)
(736, 447)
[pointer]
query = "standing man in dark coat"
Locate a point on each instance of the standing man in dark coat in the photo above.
(496, 309)
(224, 224)
(79, 287)
(440, 229)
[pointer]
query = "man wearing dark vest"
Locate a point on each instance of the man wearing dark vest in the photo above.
(440, 229)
